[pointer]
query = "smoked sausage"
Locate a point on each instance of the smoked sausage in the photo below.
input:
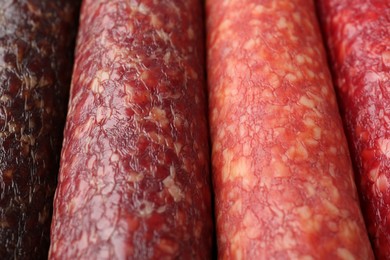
(282, 174)
(358, 38)
(36, 55)
(134, 178)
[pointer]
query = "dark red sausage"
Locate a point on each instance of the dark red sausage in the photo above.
(281, 168)
(358, 37)
(36, 57)
(134, 178)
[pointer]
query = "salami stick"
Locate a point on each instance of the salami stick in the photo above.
(36, 55)
(358, 37)
(282, 174)
(134, 178)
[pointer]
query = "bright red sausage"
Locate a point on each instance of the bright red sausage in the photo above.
(358, 37)
(134, 179)
(282, 174)
(37, 41)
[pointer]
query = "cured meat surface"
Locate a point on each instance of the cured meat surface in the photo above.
(134, 179)
(36, 50)
(358, 37)
(282, 174)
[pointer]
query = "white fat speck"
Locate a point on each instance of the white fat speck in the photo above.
(344, 254)
(305, 101)
(372, 77)
(173, 189)
(114, 157)
(384, 145)
(374, 174)
(167, 57)
(386, 58)
(282, 23)
(163, 35)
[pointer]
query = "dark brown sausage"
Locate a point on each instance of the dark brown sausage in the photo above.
(134, 179)
(36, 50)
(282, 174)
(358, 37)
